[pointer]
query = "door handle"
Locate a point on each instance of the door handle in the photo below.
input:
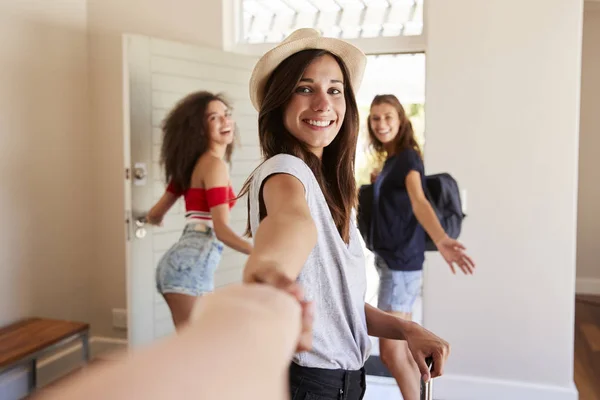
(140, 174)
(140, 230)
(139, 171)
(141, 221)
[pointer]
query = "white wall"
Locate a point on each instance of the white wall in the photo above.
(46, 224)
(502, 115)
(188, 21)
(588, 224)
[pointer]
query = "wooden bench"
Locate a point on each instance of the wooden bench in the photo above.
(22, 343)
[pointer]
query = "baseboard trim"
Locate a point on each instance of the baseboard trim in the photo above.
(455, 387)
(587, 286)
(13, 384)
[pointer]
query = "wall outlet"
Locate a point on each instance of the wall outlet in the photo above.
(119, 316)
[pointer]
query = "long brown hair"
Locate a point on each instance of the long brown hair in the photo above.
(335, 170)
(186, 138)
(406, 135)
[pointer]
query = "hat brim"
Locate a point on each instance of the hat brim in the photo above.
(354, 59)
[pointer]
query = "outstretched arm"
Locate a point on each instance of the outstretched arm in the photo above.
(286, 236)
(450, 249)
(254, 328)
(283, 242)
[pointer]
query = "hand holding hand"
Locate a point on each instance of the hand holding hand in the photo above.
(273, 277)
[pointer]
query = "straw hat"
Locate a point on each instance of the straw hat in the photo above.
(303, 39)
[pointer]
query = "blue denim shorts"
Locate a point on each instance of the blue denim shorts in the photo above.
(188, 267)
(398, 290)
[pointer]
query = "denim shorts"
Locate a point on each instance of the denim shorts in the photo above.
(188, 267)
(398, 290)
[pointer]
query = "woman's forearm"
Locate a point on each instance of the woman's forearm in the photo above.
(383, 325)
(429, 220)
(282, 241)
(162, 206)
(231, 239)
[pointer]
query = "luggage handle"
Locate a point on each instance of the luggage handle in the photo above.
(427, 387)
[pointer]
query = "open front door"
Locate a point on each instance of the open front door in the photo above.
(157, 74)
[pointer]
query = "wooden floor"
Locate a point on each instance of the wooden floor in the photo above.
(587, 347)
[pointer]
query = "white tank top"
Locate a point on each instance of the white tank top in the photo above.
(333, 276)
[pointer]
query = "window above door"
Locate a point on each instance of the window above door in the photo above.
(376, 26)
(270, 21)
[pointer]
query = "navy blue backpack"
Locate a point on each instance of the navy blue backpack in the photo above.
(443, 194)
(363, 214)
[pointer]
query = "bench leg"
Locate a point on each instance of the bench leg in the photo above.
(33, 376)
(85, 343)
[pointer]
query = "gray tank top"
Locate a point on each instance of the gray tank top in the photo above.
(333, 276)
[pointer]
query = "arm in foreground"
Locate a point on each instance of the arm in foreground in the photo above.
(254, 328)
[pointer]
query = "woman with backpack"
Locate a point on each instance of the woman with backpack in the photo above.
(401, 217)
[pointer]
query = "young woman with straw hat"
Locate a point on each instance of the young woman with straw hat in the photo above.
(300, 202)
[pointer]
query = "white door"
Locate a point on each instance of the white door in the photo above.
(158, 73)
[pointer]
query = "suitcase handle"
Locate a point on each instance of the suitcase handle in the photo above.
(427, 387)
